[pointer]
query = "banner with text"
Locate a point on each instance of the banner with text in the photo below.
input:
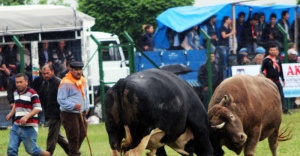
(291, 73)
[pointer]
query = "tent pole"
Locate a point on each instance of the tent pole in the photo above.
(296, 28)
(233, 28)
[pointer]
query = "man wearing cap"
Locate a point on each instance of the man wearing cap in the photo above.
(260, 50)
(292, 56)
(73, 101)
(242, 57)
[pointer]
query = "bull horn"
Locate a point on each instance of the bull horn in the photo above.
(219, 126)
(225, 99)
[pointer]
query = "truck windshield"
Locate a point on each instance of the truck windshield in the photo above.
(112, 53)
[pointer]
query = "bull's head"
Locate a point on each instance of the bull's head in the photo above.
(227, 124)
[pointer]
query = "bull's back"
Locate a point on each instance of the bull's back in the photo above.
(166, 95)
(156, 98)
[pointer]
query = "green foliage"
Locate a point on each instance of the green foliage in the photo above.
(15, 2)
(117, 16)
(58, 2)
(25, 2)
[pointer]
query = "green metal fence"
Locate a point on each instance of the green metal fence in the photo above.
(130, 49)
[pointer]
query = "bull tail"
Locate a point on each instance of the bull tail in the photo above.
(285, 133)
(128, 139)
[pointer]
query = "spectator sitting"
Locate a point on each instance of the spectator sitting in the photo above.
(45, 54)
(4, 71)
(191, 40)
(11, 58)
(60, 56)
(242, 57)
(174, 39)
(260, 50)
(292, 56)
(258, 59)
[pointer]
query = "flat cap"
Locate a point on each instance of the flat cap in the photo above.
(243, 50)
(260, 50)
(76, 64)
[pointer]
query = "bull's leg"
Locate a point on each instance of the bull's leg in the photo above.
(273, 142)
(181, 141)
(251, 142)
(138, 151)
(201, 133)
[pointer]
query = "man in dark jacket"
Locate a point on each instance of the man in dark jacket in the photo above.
(249, 35)
(48, 96)
(211, 30)
(217, 77)
(284, 22)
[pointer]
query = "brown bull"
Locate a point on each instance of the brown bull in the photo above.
(245, 110)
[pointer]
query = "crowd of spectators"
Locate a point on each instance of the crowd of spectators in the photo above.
(58, 56)
(248, 34)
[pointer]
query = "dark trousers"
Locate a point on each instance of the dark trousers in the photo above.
(205, 99)
(75, 131)
(280, 89)
(54, 136)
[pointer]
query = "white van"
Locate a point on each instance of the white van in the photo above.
(114, 65)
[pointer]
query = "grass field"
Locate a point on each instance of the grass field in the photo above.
(100, 146)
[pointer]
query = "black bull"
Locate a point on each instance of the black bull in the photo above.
(154, 108)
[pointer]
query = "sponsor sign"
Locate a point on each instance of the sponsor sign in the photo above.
(291, 72)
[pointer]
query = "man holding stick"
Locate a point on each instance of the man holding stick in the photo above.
(73, 101)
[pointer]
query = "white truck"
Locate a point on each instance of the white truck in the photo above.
(40, 23)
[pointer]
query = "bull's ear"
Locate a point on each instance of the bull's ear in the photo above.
(226, 100)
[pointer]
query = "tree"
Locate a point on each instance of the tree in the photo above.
(117, 16)
(23, 2)
(15, 2)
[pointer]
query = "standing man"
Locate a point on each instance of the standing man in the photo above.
(211, 30)
(48, 96)
(217, 77)
(284, 22)
(27, 106)
(45, 55)
(272, 69)
(73, 100)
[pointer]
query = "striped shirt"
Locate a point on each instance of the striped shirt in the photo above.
(24, 104)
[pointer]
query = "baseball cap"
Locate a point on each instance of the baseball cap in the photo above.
(292, 51)
(260, 50)
(243, 50)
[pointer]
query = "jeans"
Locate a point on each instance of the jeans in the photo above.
(75, 131)
(221, 59)
(54, 136)
(25, 134)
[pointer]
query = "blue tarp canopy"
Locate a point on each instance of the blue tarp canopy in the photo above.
(184, 18)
